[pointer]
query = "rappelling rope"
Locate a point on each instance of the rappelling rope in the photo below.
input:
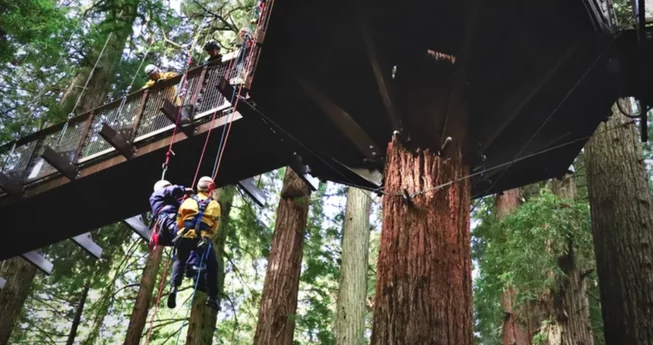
(183, 82)
(158, 299)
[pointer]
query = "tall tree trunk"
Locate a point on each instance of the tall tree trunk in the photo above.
(424, 283)
(513, 333)
(203, 318)
(571, 322)
(276, 321)
(352, 292)
(144, 297)
(78, 313)
(96, 92)
(19, 275)
(622, 226)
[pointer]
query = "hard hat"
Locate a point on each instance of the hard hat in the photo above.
(149, 69)
(210, 45)
(161, 184)
(205, 183)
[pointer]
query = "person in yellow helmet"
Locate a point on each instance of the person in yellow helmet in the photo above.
(197, 220)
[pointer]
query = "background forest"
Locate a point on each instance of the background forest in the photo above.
(532, 248)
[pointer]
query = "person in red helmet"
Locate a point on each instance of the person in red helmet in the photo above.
(197, 220)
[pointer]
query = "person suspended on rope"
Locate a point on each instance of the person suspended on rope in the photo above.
(213, 49)
(165, 201)
(197, 220)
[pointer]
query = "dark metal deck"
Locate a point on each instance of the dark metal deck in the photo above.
(533, 76)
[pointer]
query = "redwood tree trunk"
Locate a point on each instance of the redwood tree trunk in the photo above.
(622, 226)
(276, 323)
(19, 275)
(144, 297)
(424, 283)
(78, 313)
(512, 332)
(352, 291)
(203, 318)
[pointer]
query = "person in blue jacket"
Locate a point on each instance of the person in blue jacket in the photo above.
(165, 201)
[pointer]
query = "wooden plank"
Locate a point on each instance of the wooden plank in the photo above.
(138, 226)
(85, 131)
(117, 141)
(39, 261)
(59, 162)
(10, 184)
(139, 115)
(249, 187)
(86, 242)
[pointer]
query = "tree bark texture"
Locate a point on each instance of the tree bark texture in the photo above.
(203, 318)
(513, 333)
(570, 300)
(78, 313)
(424, 283)
(19, 275)
(144, 298)
(276, 320)
(622, 227)
(352, 291)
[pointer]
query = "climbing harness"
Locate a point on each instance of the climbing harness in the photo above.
(195, 223)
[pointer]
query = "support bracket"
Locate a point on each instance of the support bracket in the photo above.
(347, 125)
(11, 185)
(119, 142)
(171, 112)
(2, 283)
(86, 242)
(303, 171)
(249, 187)
(39, 261)
(138, 226)
(60, 162)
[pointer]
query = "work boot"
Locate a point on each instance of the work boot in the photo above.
(172, 298)
(211, 302)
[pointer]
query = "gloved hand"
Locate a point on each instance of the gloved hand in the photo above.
(189, 190)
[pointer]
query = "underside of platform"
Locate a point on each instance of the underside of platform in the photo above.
(534, 76)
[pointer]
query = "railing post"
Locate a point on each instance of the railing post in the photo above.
(200, 85)
(139, 115)
(85, 131)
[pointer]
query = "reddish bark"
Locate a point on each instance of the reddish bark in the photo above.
(513, 333)
(424, 290)
(276, 323)
(19, 275)
(144, 297)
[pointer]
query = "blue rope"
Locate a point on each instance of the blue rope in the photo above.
(197, 280)
(239, 68)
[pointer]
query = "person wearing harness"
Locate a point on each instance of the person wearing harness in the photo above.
(198, 220)
(165, 201)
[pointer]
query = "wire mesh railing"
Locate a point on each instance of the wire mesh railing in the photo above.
(136, 117)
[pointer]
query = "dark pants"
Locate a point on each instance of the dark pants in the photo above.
(167, 228)
(209, 260)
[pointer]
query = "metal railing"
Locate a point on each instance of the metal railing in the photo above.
(137, 117)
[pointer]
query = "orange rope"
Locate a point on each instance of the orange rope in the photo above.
(158, 300)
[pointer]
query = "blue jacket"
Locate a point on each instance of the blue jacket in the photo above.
(167, 200)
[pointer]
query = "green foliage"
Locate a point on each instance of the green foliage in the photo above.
(522, 252)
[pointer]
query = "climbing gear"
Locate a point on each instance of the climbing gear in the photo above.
(206, 184)
(161, 184)
(162, 235)
(196, 223)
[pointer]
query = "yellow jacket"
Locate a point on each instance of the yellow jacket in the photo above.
(190, 208)
(164, 76)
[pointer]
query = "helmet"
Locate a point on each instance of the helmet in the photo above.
(205, 184)
(210, 45)
(149, 69)
(161, 184)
